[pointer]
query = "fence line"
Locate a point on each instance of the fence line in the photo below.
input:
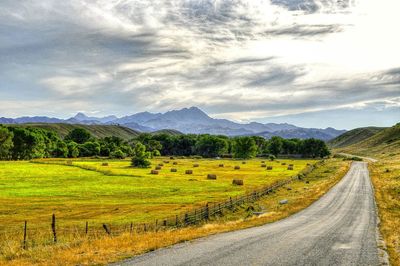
(188, 218)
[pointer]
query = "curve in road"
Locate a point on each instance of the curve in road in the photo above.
(338, 229)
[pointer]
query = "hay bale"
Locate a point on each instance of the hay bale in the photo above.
(212, 176)
(269, 168)
(166, 161)
(189, 172)
(69, 162)
(263, 165)
(158, 167)
(196, 165)
(160, 164)
(174, 170)
(290, 168)
(172, 158)
(175, 163)
(104, 164)
(283, 163)
(237, 167)
(237, 182)
(291, 165)
(262, 161)
(221, 165)
(154, 172)
(243, 162)
(282, 202)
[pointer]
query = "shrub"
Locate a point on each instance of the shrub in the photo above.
(118, 154)
(189, 172)
(237, 182)
(272, 157)
(174, 170)
(140, 159)
(211, 176)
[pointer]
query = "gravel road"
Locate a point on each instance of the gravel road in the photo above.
(338, 229)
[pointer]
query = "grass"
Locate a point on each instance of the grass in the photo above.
(101, 250)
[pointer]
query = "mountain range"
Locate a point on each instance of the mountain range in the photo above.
(188, 120)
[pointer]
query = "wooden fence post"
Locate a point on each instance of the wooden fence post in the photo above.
(186, 218)
(107, 229)
(156, 229)
(176, 220)
(24, 243)
(87, 227)
(230, 202)
(207, 212)
(53, 227)
(144, 227)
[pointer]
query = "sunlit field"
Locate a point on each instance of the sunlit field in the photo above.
(91, 190)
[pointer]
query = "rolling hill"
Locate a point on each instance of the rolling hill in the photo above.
(385, 142)
(98, 131)
(354, 136)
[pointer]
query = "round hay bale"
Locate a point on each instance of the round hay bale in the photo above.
(262, 161)
(237, 167)
(291, 165)
(212, 176)
(175, 163)
(104, 164)
(158, 168)
(166, 161)
(283, 163)
(243, 162)
(160, 164)
(69, 162)
(154, 172)
(237, 182)
(189, 172)
(172, 158)
(269, 168)
(290, 168)
(221, 165)
(263, 165)
(174, 170)
(196, 165)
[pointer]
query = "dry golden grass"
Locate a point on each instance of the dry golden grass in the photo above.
(386, 179)
(102, 250)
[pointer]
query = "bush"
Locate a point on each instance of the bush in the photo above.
(272, 157)
(140, 159)
(118, 154)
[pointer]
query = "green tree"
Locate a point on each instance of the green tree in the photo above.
(314, 148)
(73, 150)
(118, 154)
(244, 147)
(275, 145)
(88, 149)
(140, 157)
(211, 146)
(6, 143)
(61, 150)
(78, 135)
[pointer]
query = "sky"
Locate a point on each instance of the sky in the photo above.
(314, 63)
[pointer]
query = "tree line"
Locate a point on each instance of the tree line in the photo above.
(24, 143)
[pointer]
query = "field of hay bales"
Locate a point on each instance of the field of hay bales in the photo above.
(110, 191)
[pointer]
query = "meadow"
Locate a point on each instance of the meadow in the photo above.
(110, 191)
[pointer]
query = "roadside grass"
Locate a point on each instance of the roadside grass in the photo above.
(97, 250)
(385, 176)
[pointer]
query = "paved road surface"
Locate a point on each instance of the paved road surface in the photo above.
(338, 229)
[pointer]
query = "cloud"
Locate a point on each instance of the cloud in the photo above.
(242, 59)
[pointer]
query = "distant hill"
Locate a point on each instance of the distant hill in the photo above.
(354, 136)
(304, 133)
(168, 131)
(385, 141)
(98, 131)
(188, 120)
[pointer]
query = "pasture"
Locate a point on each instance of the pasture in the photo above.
(110, 191)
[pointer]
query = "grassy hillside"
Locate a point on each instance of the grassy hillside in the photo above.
(172, 132)
(385, 142)
(354, 136)
(98, 131)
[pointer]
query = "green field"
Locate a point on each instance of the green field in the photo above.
(118, 193)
